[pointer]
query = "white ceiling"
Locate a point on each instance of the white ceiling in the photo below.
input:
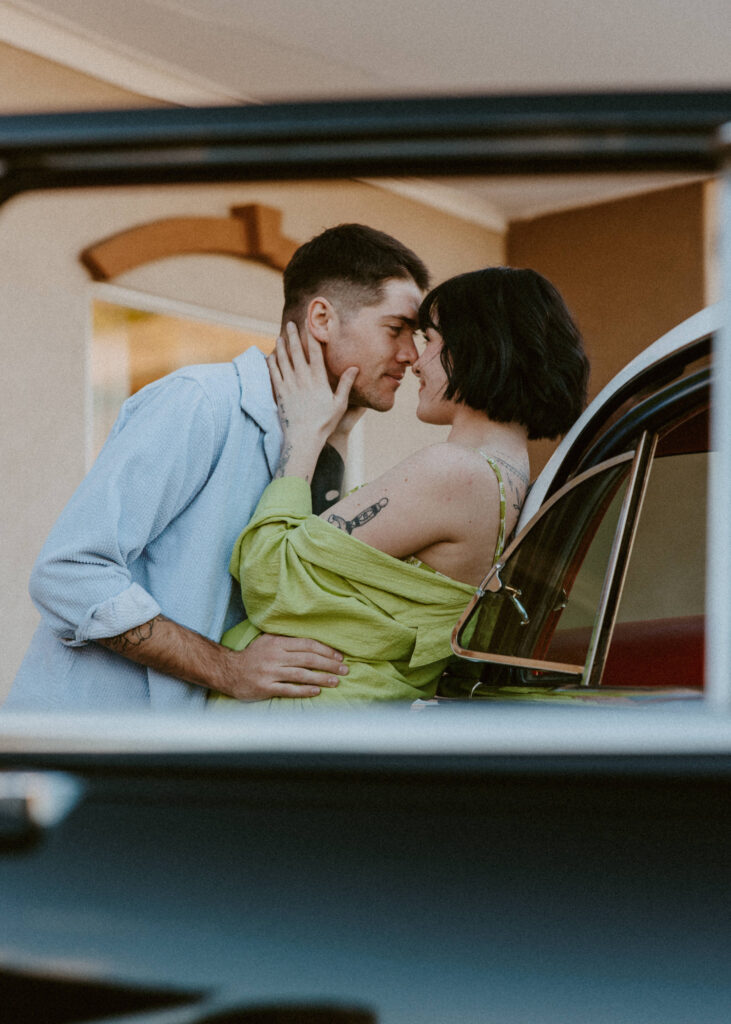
(284, 49)
(214, 51)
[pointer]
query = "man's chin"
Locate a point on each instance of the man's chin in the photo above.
(379, 403)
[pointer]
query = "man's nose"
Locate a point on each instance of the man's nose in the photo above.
(408, 352)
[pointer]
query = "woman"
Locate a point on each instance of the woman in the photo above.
(384, 574)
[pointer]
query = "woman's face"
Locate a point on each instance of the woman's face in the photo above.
(433, 406)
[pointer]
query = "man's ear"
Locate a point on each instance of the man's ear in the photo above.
(320, 318)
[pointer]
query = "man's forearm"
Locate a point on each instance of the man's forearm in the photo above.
(271, 666)
(173, 650)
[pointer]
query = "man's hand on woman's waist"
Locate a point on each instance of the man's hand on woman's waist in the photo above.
(271, 666)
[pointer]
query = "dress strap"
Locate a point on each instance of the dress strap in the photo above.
(492, 463)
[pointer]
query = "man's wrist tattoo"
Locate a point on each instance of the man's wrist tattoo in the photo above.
(348, 525)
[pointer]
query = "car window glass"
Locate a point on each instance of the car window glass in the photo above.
(658, 639)
(666, 574)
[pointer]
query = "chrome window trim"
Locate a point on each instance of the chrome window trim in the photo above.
(616, 573)
(641, 458)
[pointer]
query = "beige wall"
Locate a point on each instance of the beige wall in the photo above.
(46, 296)
(629, 271)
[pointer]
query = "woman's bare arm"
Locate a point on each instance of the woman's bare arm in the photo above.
(441, 495)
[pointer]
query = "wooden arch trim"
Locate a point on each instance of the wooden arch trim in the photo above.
(252, 232)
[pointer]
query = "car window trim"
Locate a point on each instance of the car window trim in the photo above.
(616, 572)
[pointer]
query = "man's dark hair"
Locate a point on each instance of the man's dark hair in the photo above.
(350, 262)
(510, 348)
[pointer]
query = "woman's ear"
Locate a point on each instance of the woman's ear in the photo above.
(320, 318)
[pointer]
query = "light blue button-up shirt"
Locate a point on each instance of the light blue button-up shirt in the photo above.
(151, 529)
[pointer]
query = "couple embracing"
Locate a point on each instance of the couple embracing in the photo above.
(330, 599)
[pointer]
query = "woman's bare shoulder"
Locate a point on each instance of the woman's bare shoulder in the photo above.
(445, 455)
(441, 466)
(434, 496)
(450, 462)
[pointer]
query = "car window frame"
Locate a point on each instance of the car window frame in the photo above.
(589, 674)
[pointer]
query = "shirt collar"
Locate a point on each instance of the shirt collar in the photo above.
(257, 400)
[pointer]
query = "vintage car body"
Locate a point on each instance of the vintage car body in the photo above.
(485, 860)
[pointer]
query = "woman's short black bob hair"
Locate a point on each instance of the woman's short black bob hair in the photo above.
(510, 348)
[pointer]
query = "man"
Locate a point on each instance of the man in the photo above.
(132, 583)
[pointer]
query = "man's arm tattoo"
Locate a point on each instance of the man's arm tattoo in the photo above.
(361, 519)
(133, 637)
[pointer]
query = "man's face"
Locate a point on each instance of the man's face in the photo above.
(378, 339)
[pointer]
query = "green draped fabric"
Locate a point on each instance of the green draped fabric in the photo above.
(301, 576)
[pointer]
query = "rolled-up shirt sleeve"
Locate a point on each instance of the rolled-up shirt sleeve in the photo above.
(158, 456)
